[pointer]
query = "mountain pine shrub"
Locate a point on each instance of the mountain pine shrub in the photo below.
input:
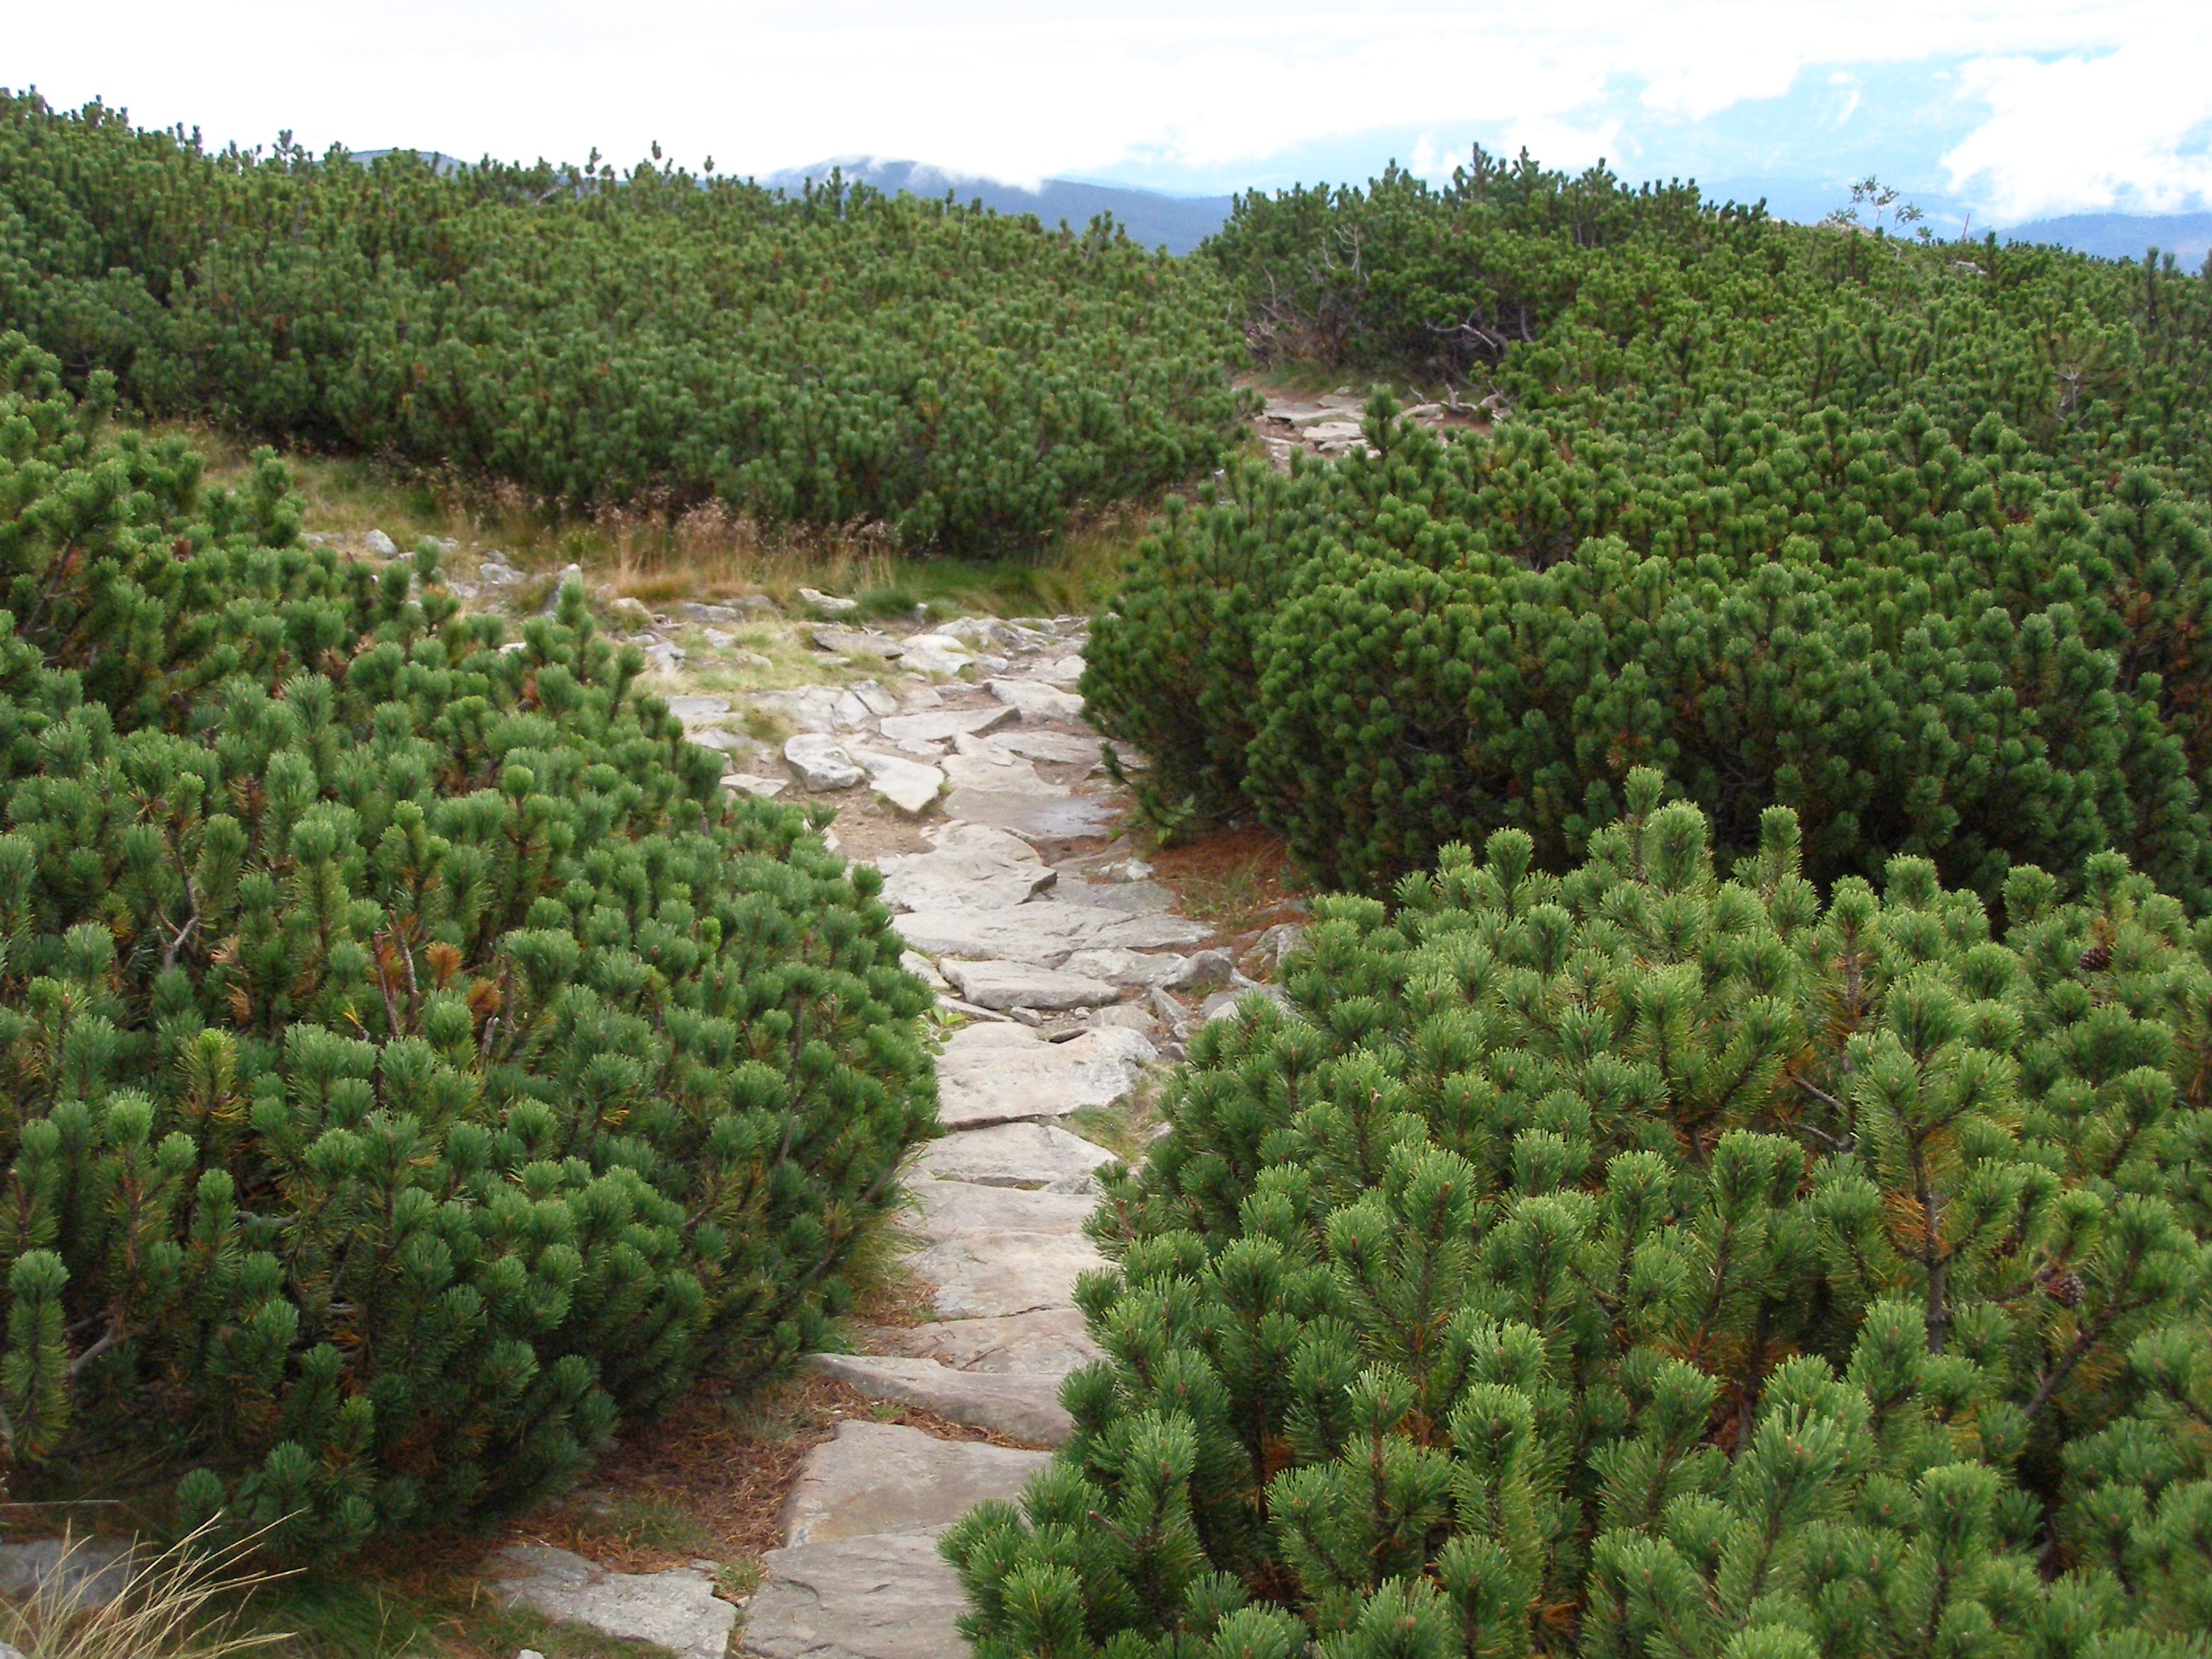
(1919, 644)
(1638, 1262)
(411, 1062)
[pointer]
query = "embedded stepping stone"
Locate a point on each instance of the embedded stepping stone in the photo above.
(676, 1609)
(883, 1478)
(1036, 701)
(822, 762)
(1039, 1156)
(908, 784)
(1135, 968)
(1062, 748)
(947, 1208)
(1023, 1408)
(1005, 985)
(888, 1596)
(988, 1275)
(1042, 932)
(1036, 817)
(1010, 774)
(1006, 1073)
(943, 724)
(809, 707)
(1051, 1341)
(972, 867)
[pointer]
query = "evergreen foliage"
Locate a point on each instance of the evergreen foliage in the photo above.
(410, 1061)
(966, 378)
(1635, 1262)
(1915, 546)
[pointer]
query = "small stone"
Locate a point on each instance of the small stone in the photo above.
(1225, 1005)
(1025, 985)
(699, 711)
(874, 698)
(929, 660)
(1037, 702)
(528, 1653)
(749, 784)
(877, 1477)
(380, 544)
(1207, 967)
(1128, 870)
(978, 630)
(1065, 671)
(944, 642)
(1003, 771)
(1269, 951)
(806, 707)
(856, 643)
(72, 1574)
(821, 761)
(830, 604)
(1037, 1156)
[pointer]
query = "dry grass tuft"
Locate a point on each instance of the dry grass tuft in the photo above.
(180, 1603)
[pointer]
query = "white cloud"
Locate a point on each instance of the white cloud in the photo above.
(2083, 131)
(1021, 90)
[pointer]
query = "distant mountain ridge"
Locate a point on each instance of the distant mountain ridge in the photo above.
(2187, 236)
(1179, 223)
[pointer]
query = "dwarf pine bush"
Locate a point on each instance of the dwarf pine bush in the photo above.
(410, 1061)
(1636, 1263)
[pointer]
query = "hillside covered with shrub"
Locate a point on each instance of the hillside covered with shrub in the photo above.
(1912, 538)
(1633, 1261)
(412, 1062)
(966, 378)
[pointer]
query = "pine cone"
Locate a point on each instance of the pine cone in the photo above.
(2096, 958)
(2066, 1288)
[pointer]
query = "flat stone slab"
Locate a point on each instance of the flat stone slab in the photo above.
(1134, 898)
(988, 1275)
(1138, 969)
(877, 1477)
(1036, 817)
(943, 724)
(1051, 1342)
(1040, 932)
(822, 762)
(755, 785)
(887, 1596)
(1005, 985)
(699, 710)
(1007, 1074)
(1022, 1408)
(944, 1209)
(76, 1572)
(813, 708)
(1013, 776)
(971, 867)
(1037, 700)
(676, 1609)
(1041, 1156)
(909, 785)
(1062, 748)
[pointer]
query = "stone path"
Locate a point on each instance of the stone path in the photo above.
(1078, 979)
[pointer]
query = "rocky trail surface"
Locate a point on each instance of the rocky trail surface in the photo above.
(961, 766)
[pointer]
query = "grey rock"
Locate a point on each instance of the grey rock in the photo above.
(979, 631)
(1134, 970)
(1207, 967)
(1128, 870)
(808, 708)
(1005, 772)
(739, 609)
(1025, 1407)
(1037, 1156)
(676, 1609)
(1040, 932)
(1128, 1016)
(1051, 1342)
(1036, 701)
(999, 1074)
(1153, 932)
(380, 544)
(945, 1209)
(888, 1596)
(829, 604)
(720, 737)
(943, 724)
(877, 1477)
(749, 783)
(821, 762)
(1062, 671)
(933, 658)
(855, 642)
(908, 784)
(1224, 1005)
(923, 968)
(1131, 898)
(1025, 985)
(1062, 748)
(1269, 951)
(701, 711)
(72, 1573)
(874, 698)
(1036, 817)
(984, 1275)
(971, 867)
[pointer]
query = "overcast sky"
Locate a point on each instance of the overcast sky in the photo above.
(2017, 108)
